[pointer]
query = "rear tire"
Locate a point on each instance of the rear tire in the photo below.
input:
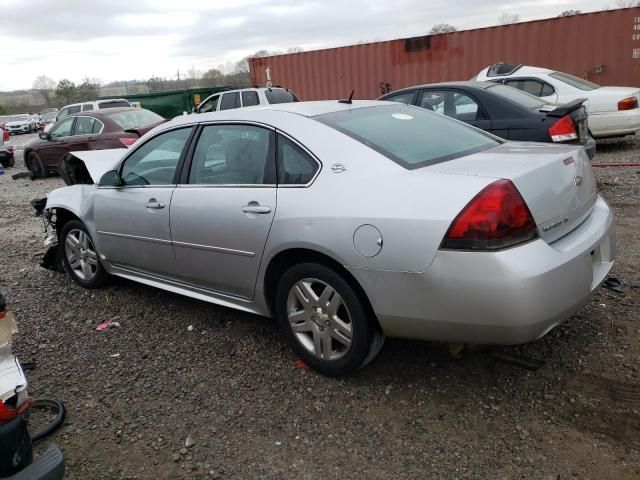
(80, 257)
(325, 321)
(35, 165)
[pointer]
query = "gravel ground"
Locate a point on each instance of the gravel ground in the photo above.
(136, 393)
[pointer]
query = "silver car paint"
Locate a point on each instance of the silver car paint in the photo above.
(415, 289)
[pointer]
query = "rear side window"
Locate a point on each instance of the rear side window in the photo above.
(114, 104)
(532, 87)
(295, 166)
(577, 82)
(230, 101)
(410, 136)
(84, 126)
(250, 98)
(279, 95)
(516, 96)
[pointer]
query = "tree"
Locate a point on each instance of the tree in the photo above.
(295, 50)
(628, 3)
(88, 90)
(44, 85)
(570, 13)
(508, 18)
(3, 111)
(442, 28)
(66, 91)
(212, 77)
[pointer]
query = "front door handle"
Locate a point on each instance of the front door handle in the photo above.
(154, 204)
(256, 208)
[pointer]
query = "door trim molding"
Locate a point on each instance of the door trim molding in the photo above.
(231, 251)
(135, 237)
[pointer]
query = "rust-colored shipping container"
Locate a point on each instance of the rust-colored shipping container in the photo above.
(603, 47)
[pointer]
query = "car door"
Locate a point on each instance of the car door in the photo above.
(222, 212)
(456, 104)
(81, 134)
(132, 219)
(56, 144)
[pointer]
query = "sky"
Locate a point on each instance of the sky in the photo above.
(136, 39)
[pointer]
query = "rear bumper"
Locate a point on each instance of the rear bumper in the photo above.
(508, 297)
(611, 124)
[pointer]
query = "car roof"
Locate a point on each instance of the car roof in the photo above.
(468, 84)
(305, 109)
(520, 71)
(96, 101)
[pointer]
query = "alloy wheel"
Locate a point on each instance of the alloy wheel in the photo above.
(81, 254)
(319, 318)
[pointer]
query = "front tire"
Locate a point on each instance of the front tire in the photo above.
(80, 256)
(326, 322)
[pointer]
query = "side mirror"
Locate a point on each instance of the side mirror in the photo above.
(110, 179)
(44, 136)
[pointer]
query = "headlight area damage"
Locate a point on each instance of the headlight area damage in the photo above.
(73, 171)
(16, 445)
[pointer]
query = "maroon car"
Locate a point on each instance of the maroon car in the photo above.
(93, 130)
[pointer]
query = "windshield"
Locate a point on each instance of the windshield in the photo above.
(410, 136)
(280, 95)
(576, 82)
(517, 96)
(134, 118)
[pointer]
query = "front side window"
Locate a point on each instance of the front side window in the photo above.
(87, 106)
(84, 125)
(577, 82)
(74, 109)
(406, 98)
(233, 155)
(62, 114)
(295, 166)
(62, 129)
(409, 136)
(210, 105)
(250, 98)
(230, 100)
(155, 162)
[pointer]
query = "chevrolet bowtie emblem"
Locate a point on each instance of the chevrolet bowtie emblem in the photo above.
(577, 180)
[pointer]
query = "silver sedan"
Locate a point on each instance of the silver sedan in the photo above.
(349, 222)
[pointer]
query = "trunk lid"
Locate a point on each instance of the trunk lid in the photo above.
(556, 182)
(605, 99)
(577, 110)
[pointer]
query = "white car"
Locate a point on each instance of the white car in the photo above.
(246, 97)
(23, 123)
(613, 111)
(85, 107)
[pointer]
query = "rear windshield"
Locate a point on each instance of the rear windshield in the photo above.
(49, 115)
(134, 118)
(410, 136)
(114, 104)
(517, 96)
(574, 81)
(280, 96)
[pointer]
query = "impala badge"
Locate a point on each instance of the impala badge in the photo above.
(577, 180)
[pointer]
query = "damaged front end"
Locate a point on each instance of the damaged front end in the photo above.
(52, 259)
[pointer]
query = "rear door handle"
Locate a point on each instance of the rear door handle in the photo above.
(255, 208)
(154, 204)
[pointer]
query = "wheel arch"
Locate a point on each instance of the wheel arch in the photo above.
(286, 259)
(63, 216)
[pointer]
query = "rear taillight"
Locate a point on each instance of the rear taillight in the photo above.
(563, 130)
(628, 103)
(127, 141)
(496, 218)
(5, 135)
